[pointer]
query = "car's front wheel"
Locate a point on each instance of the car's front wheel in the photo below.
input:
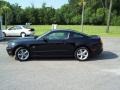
(82, 54)
(22, 54)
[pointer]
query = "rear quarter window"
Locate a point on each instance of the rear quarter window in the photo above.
(77, 35)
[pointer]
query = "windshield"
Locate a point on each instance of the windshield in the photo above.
(26, 27)
(43, 35)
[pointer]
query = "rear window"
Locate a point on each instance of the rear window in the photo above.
(76, 35)
(18, 27)
(80, 33)
(25, 27)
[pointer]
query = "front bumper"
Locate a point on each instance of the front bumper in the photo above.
(10, 51)
(2, 38)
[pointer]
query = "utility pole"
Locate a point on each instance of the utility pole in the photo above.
(83, 9)
(6, 20)
(82, 21)
(0, 22)
(109, 16)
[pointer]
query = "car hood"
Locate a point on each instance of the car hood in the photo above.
(4, 30)
(22, 40)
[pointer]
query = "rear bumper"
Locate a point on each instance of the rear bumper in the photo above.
(97, 49)
(30, 33)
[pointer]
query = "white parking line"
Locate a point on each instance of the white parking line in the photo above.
(113, 71)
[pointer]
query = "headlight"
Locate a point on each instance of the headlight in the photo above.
(12, 44)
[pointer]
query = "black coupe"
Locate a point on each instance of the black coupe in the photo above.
(58, 43)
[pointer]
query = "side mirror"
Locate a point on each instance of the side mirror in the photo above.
(35, 37)
(45, 39)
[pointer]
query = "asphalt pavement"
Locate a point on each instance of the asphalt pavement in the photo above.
(99, 73)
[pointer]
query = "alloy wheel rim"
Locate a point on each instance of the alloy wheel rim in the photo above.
(82, 54)
(23, 54)
(23, 35)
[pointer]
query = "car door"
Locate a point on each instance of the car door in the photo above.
(10, 31)
(18, 31)
(14, 31)
(55, 44)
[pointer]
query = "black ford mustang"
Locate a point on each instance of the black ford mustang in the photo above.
(58, 43)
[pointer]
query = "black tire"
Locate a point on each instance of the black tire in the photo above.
(17, 52)
(22, 34)
(86, 57)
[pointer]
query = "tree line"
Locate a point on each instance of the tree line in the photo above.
(95, 13)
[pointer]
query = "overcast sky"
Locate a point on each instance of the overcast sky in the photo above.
(38, 3)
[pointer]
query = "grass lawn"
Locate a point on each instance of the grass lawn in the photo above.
(91, 30)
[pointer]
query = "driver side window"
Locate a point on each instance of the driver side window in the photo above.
(58, 36)
(18, 27)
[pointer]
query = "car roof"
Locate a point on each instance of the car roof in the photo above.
(65, 30)
(69, 30)
(19, 25)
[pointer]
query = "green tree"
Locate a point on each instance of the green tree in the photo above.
(96, 13)
(6, 10)
(76, 19)
(17, 14)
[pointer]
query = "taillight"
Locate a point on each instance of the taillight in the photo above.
(31, 30)
(101, 41)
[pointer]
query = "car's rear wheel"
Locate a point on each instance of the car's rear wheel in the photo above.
(22, 54)
(82, 53)
(23, 34)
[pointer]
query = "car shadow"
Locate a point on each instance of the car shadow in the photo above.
(106, 55)
(52, 59)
